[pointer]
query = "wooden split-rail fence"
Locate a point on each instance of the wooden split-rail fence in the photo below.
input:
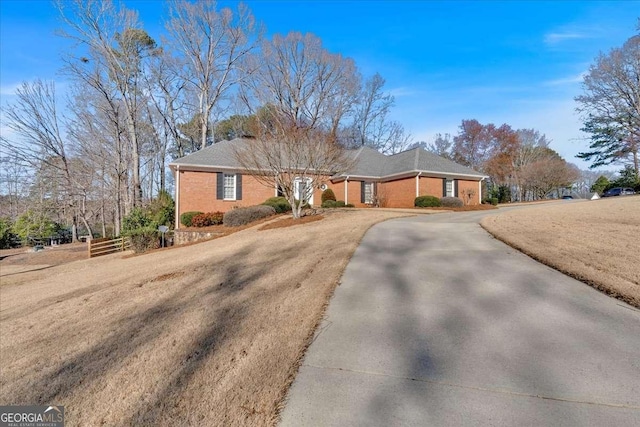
(99, 247)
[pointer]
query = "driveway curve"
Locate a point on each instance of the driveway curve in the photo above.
(437, 323)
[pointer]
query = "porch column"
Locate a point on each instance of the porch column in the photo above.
(346, 190)
(177, 197)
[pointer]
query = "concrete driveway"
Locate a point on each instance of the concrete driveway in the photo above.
(436, 323)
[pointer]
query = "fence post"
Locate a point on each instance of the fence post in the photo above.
(122, 244)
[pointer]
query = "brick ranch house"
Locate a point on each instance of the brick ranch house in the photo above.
(212, 180)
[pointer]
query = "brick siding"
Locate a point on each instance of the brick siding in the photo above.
(198, 192)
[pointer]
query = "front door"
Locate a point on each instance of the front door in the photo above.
(303, 190)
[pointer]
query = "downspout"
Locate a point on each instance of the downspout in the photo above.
(346, 189)
(480, 190)
(177, 197)
(418, 184)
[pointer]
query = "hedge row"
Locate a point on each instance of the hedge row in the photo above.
(427, 202)
(242, 216)
(280, 204)
(207, 219)
(435, 202)
(451, 202)
(187, 218)
(336, 204)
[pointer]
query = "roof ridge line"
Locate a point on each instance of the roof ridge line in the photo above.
(359, 151)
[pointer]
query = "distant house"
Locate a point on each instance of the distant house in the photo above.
(213, 180)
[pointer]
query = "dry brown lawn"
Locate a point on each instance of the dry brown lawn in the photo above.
(208, 334)
(597, 242)
(290, 222)
(14, 261)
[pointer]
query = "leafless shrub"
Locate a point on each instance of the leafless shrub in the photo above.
(242, 216)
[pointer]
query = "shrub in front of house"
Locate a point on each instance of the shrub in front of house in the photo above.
(187, 217)
(328, 195)
(349, 205)
(280, 204)
(144, 239)
(207, 219)
(451, 202)
(242, 216)
(491, 201)
(427, 202)
(329, 204)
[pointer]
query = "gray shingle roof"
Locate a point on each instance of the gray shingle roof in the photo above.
(370, 162)
(367, 161)
(221, 154)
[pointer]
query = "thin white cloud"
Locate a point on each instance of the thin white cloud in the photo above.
(9, 90)
(561, 36)
(402, 91)
(569, 80)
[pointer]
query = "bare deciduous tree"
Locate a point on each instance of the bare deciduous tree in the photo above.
(611, 104)
(472, 145)
(549, 172)
(98, 130)
(111, 38)
(371, 125)
(297, 161)
(527, 151)
(296, 90)
(441, 145)
(35, 120)
(212, 45)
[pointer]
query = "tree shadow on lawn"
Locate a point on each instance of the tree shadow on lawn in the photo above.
(131, 333)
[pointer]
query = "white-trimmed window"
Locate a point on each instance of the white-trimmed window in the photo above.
(229, 189)
(368, 193)
(449, 188)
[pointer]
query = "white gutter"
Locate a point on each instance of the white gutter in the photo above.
(235, 169)
(410, 174)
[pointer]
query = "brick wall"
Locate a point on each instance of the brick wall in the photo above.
(400, 193)
(198, 193)
(471, 185)
(430, 186)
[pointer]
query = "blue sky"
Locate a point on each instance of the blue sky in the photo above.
(511, 62)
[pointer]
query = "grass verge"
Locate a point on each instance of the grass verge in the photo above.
(593, 241)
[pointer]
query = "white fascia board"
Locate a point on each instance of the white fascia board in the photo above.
(202, 168)
(432, 174)
(213, 168)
